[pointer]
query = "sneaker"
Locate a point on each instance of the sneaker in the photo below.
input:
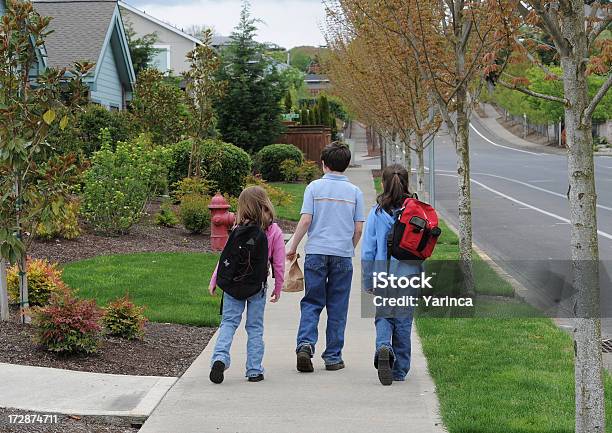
(304, 363)
(335, 367)
(385, 375)
(216, 372)
(257, 378)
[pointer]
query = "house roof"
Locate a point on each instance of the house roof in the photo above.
(79, 29)
(159, 22)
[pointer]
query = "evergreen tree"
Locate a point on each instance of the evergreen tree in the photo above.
(304, 118)
(317, 115)
(312, 119)
(288, 102)
(323, 109)
(249, 113)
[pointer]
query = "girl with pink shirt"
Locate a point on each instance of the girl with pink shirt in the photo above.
(254, 208)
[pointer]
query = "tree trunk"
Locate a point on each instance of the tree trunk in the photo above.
(590, 408)
(421, 164)
(24, 303)
(408, 164)
(4, 308)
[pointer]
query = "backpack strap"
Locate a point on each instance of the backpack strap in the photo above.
(391, 236)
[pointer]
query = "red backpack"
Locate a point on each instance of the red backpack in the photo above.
(415, 232)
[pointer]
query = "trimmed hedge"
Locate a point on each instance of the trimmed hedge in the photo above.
(225, 165)
(269, 159)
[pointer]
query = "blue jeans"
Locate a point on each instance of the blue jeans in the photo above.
(232, 314)
(328, 285)
(394, 334)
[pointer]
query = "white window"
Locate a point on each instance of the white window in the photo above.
(161, 58)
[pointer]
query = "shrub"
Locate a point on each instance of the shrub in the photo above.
(44, 280)
(226, 166)
(65, 226)
(68, 325)
(195, 214)
(278, 197)
(189, 186)
(95, 118)
(180, 162)
(124, 319)
(289, 170)
(119, 183)
(166, 216)
(269, 159)
(309, 171)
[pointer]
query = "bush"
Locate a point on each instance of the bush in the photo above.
(309, 171)
(95, 118)
(119, 183)
(289, 170)
(269, 159)
(189, 186)
(180, 162)
(278, 197)
(195, 214)
(124, 319)
(44, 280)
(68, 325)
(226, 166)
(166, 216)
(65, 226)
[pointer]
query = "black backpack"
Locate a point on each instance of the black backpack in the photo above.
(243, 266)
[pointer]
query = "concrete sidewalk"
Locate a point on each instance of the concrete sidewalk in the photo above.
(43, 389)
(350, 400)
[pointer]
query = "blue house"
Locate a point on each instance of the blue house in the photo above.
(90, 31)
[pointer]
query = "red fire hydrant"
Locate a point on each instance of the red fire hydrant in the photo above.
(221, 221)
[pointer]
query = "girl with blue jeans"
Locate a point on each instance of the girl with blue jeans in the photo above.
(254, 206)
(393, 325)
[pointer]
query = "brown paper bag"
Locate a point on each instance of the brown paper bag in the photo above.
(294, 277)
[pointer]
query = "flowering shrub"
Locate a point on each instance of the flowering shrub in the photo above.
(195, 214)
(290, 170)
(278, 197)
(65, 226)
(120, 182)
(122, 318)
(309, 171)
(188, 186)
(68, 325)
(44, 279)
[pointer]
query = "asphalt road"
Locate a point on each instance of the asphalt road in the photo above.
(521, 214)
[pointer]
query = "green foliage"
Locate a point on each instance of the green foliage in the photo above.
(304, 117)
(66, 225)
(194, 213)
(289, 169)
(94, 118)
(159, 108)
(312, 117)
(288, 102)
(224, 165)
(166, 216)
(122, 318)
(119, 183)
(249, 113)
(278, 197)
(268, 160)
(191, 185)
(142, 49)
(68, 325)
(179, 168)
(309, 171)
(44, 279)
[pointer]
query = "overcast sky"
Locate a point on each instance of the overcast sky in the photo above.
(288, 23)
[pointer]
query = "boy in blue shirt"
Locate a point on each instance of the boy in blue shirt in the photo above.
(332, 214)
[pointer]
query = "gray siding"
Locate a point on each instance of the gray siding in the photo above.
(2, 7)
(108, 88)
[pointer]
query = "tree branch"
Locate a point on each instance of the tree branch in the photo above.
(598, 28)
(532, 93)
(551, 27)
(588, 112)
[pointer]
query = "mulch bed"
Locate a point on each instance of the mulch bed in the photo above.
(166, 350)
(65, 424)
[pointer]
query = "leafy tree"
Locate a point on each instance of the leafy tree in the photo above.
(250, 111)
(34, 180)
(160, 108)
(142, 48)
(203, 87)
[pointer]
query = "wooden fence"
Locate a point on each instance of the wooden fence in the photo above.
(309, 139)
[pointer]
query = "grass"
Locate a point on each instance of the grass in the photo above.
(291, 211)
(172, 286)
(500, 375)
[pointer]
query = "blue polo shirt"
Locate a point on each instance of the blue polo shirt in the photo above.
(335, 205)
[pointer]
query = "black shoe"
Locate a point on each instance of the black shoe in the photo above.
(216, 372)
(257, 378)
(335, 367)
(304, 363)
(384, 366)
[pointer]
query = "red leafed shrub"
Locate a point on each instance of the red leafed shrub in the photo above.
(124, 319)
(68, 325)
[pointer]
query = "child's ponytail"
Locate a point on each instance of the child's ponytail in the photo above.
(395, 180)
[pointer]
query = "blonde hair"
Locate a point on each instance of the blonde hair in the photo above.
(255, 206)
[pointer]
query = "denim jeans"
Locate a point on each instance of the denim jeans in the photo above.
(232, 314)
(394, 334)
(327, 282)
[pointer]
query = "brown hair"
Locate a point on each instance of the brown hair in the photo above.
(254, 206)
(336, 156)
(395, 181)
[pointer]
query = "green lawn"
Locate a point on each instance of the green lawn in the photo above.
(291, 211)
(172, 286)
(500, 375)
